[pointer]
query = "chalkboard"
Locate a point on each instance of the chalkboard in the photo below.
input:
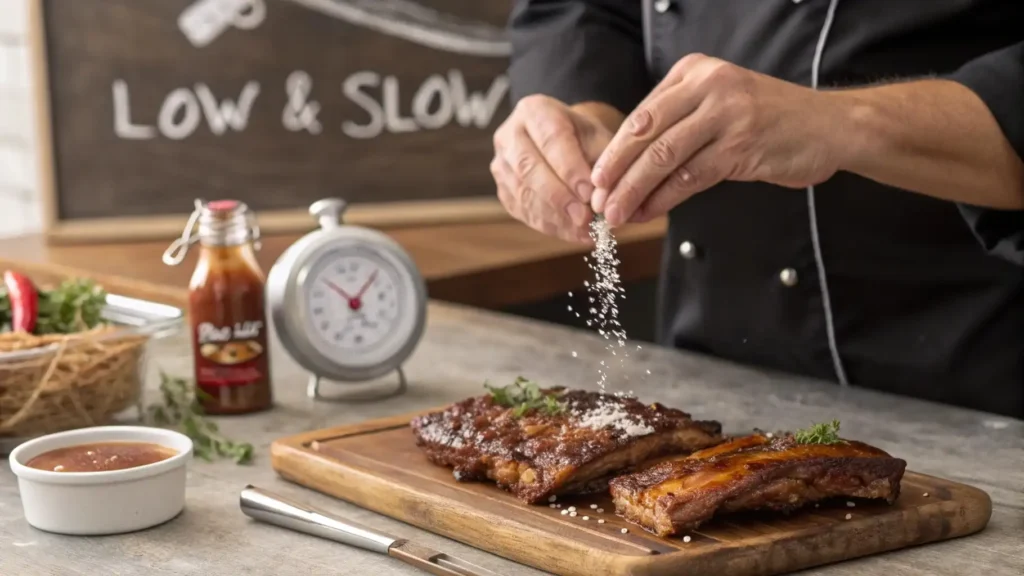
(148, 104)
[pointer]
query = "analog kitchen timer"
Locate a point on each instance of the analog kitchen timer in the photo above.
(347, 302)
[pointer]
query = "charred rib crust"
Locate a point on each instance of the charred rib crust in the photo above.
(538, 454)
(753, 473)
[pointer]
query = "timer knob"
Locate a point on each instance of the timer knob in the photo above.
(328, 212)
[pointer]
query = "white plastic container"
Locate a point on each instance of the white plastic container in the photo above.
(113, 502)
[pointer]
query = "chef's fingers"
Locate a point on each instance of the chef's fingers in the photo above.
(701, 172)
(556, 137)
(658, 161)
(684, 67)
(535, 210)
(644, 129)
(538, 182)
(506, 182)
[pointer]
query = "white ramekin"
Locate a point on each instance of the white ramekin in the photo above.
(93, 503)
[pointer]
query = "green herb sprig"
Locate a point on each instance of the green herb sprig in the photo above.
(181, 409)
(824, 433)
(523, 396)
(73, 306)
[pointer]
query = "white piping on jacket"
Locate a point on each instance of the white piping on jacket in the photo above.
(826, 300)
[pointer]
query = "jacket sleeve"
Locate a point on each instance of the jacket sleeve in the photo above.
(578, 51)
(998, 79)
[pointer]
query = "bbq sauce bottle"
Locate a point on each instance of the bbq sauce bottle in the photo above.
(226, 311)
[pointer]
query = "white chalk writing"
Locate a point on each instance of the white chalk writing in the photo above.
(439, 101)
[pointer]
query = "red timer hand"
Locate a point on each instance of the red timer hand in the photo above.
(357, 302)
(367, 284)
(343, 294)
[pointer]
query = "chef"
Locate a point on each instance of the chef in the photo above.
(842, 178)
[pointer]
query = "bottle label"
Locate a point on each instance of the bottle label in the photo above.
(232, 355)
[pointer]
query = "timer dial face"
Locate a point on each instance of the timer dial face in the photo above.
(360, 305)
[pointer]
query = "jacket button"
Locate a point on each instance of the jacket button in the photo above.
(688, 250)
(788, 277)
(662, 6)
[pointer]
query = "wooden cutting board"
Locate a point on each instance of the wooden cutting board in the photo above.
(377, 465)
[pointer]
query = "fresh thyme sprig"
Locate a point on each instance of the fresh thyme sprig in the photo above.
(524, 395)
(824, 433)
(181, 409)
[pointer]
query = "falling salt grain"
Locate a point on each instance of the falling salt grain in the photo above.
(600, 510)
(593, 506)
(586, 517)
(573, 353)
(564, 512)
(572, 508)
(624, 530)
(849, 516)
(601, 521)
(573, 514)
(851, 505)
(552, 498)
(686, 538)
(925, 494)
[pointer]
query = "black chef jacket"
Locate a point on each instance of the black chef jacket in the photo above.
(851, 281)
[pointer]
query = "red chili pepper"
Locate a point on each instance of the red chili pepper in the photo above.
(24, 301)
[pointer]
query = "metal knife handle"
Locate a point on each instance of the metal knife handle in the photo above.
(274, 509)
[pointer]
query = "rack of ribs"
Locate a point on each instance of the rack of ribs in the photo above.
(538, 454)
(753, 473)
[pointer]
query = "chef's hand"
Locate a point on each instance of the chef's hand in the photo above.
(543, 156)
(706, 122)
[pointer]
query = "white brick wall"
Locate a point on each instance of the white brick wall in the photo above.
(19, 199)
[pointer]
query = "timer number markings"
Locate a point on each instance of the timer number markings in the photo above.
(353, 305)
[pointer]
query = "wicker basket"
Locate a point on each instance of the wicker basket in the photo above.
(61, 382)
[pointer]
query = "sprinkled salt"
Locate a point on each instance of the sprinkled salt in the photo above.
(552, 506)
(572, 508)
(564, 512)
(552, 498)
(573, 514)
(601, 521)
(586, 517)
(624, 530)
(849, 516)
(593, 506)
(686, 538)
(851, 505)
(925, 494)
(600, 510)
(612, 415)
(769, 435)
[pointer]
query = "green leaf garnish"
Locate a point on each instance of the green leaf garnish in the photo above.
(181, 409)
(824, 433)
(522, 396)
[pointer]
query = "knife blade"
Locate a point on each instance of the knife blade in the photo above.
(274, 509)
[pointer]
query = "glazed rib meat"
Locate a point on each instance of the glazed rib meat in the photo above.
(753, 473)
(537, 454)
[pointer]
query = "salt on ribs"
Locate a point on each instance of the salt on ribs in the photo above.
(537, 453)
(753, 473)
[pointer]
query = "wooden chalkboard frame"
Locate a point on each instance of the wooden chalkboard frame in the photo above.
(98, 230)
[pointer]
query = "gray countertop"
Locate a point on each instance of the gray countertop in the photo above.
(462, 347)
